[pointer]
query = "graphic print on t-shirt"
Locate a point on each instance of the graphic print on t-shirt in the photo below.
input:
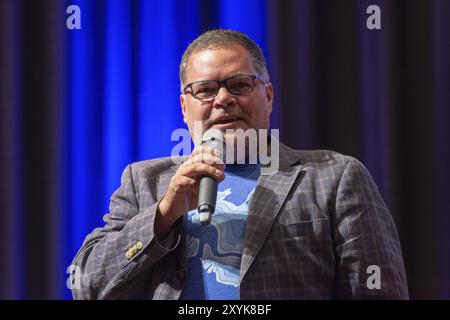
(229, 223)
(214, 252)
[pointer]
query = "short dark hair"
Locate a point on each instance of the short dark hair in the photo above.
(224, 38)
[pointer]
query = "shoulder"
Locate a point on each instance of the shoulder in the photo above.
(322, 164)
(324, 157)
(316, 158)
(159, 164)
(153, 168)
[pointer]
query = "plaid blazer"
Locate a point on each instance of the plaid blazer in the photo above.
(314, 230)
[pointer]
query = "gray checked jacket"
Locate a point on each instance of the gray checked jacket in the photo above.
(317, 229)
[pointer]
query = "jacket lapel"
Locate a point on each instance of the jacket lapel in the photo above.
(270, 193)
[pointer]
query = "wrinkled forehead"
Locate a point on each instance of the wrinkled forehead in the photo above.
(217, 47)
(219, 62)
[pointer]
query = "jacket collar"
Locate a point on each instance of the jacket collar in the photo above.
(270, 194)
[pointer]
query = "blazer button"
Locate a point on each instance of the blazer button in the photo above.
(129, 255)
(181, 274)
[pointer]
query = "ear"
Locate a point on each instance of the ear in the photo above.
(183, 106)
(269, 96)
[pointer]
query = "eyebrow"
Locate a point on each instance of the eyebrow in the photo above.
(239, 73)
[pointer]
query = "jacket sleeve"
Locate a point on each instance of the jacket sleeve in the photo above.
(367, 249)
(112, 258)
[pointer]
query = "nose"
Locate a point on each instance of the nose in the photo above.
(224, 98)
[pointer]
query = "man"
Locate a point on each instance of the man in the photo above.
(316, 228)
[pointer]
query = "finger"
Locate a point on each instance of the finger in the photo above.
(194, 170)
(181, 183)
(205, 150)
(202, 149)
(208, 159)
(204, 154)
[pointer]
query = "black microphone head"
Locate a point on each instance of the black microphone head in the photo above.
(212, 135)
(214, 138)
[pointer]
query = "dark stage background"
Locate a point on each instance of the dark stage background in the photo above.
(78, 105)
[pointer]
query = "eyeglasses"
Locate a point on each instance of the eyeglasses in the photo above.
(236, 85)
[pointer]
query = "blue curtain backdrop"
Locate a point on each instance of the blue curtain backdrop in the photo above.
(123, 98)
(78, 105)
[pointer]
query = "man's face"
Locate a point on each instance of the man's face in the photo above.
(226, 111)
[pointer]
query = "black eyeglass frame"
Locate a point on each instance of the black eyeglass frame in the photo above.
(223, 83)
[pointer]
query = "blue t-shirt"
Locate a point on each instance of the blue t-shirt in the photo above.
(214, 252)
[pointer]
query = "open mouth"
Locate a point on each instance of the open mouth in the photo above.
(226, 121)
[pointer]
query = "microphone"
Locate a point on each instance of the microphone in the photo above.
(207, 193)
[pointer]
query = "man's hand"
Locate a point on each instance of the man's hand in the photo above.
(181, 196)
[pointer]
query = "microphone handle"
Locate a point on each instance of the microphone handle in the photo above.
(207, 196)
